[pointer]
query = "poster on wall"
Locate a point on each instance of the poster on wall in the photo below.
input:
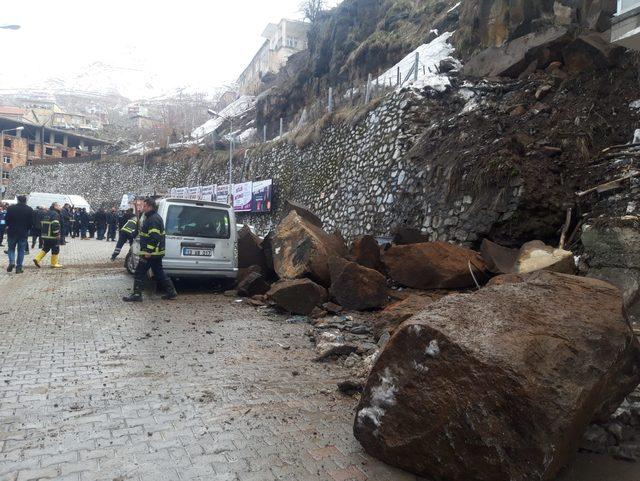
(172, 192)
(242, 194)
(222, 193)
(181, 193)
(261, 196)
(208, 193)
(194, 192)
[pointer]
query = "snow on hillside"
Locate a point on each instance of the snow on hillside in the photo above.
(431, 54)
(233, 110)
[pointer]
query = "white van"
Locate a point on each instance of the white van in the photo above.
(201, 239)
(36, 199)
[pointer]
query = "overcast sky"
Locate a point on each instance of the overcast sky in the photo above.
(199, 43)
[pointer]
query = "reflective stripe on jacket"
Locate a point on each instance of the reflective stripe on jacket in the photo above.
(50, 225)
(152, 239)
(130, 226)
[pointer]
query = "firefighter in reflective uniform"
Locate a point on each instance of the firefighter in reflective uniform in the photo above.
(51, 230)
(152, 244)
(128, 232)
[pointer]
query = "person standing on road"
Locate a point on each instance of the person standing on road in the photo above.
(112, 223)
(51, 232)
(152, 245)
(65, 223)
(84, 223)
(101, 223)
(3, 223)
(19, 219)
(36, 232)
(128, 232)
(76, 222)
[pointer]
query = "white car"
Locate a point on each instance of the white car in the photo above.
(201, 240)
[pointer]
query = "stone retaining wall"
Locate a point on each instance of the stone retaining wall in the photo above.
(354, 174)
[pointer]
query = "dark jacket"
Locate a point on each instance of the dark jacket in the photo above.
(19, 220)
(101, 217)
(50, 225)
(112, 218)
(38, 214)
(152, 239)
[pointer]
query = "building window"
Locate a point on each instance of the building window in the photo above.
(6, 159)
(48, 151)
(78, 154)
(65, 153)
(292, 42)
(32, 147)
(5, 174)
(7, 143)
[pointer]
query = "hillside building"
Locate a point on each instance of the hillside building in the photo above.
(281, 41)
(41, 145)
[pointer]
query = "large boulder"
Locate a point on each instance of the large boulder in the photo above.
(532, 256)
(356, 287)
(510, 59)
(366, 252)
(409, 235)
(500, 384)
(249, 249)
(392, 316)
(302, 249)
(252, 284)
(303, 212)
(434, 265)
(612, 254)
(299, 296)
(591, 50)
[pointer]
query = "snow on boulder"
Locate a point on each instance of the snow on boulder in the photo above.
(500, 384)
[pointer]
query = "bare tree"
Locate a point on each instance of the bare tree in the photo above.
(311, 9)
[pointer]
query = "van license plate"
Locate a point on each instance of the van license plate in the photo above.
(189, 252)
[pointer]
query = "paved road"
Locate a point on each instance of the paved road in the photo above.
(203, 388)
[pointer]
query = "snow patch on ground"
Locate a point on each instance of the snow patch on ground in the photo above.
(431, 54)
(383, 396)
(233, 110)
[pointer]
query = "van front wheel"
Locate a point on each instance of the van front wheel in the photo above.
(130, 263)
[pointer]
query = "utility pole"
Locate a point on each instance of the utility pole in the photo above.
(228, 119)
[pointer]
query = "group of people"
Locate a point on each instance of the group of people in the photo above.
(78, 223)
(49, 227)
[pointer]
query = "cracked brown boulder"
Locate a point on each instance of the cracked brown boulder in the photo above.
(366, 252)
(299, 296)
(301, 249)
(500, 384)
(250, 251)
(252, 284)
(356, 287)
(434, 265)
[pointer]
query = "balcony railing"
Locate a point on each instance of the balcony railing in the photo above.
(626, 5)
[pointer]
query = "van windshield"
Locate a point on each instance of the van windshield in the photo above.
(190, 221)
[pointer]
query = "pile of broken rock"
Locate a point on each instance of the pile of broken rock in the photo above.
(487, 365)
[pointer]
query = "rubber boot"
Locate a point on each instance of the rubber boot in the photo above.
(37, 259)
(169, 290)
(54, 262)
(137, 292)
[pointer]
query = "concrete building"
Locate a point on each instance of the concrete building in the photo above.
(37, 144)
(625, 25)
(281, 41)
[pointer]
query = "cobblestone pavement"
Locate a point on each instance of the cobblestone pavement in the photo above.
(203, 388)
